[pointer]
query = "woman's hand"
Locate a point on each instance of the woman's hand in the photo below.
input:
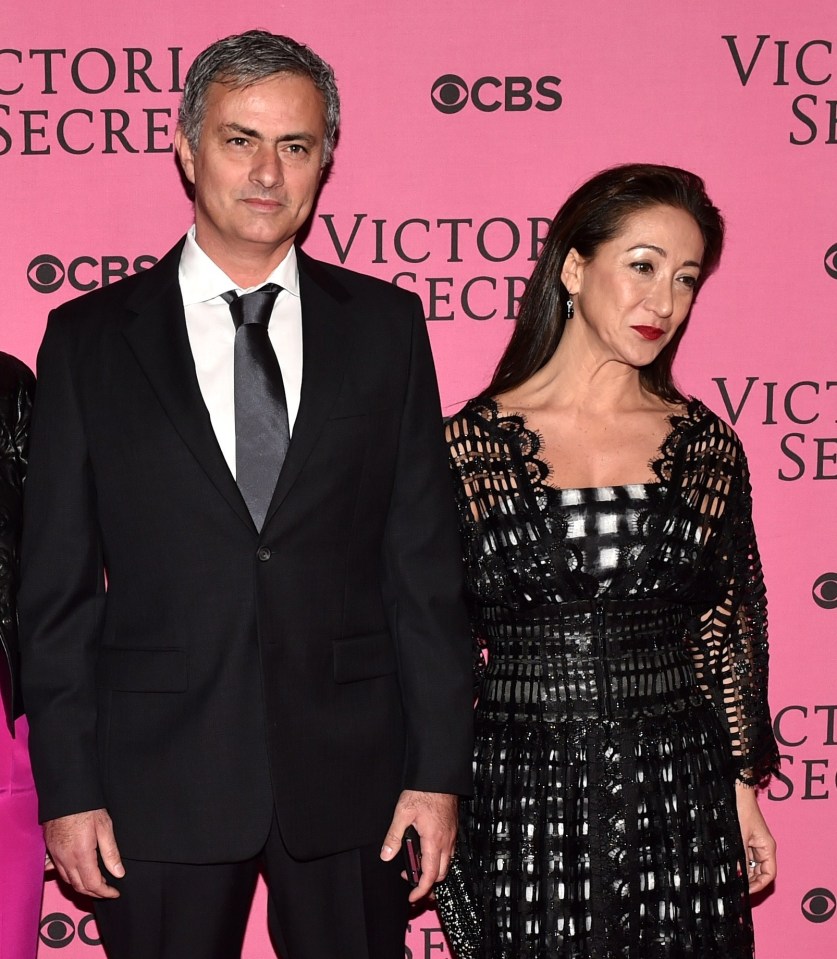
(759, 844)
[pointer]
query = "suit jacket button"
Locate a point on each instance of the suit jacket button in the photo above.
(263, 553)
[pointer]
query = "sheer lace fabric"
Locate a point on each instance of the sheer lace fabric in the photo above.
(625, 691)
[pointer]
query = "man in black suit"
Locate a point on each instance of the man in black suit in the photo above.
(244, 643)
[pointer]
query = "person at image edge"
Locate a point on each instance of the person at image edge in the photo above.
(21, 842)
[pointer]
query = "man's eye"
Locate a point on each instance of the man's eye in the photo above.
(296, 149)
(238, 141)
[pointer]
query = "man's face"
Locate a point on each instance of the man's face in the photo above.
(257, 167)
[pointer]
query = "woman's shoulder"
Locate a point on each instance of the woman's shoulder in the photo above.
(700, 431)
(477, 417)
(483, 420)
(483, 408)
(481, 437)
(489, 414)
(705, 421)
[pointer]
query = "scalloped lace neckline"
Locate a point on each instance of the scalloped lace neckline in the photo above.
(516, 422)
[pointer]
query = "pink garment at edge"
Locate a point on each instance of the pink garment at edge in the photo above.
(21, 847)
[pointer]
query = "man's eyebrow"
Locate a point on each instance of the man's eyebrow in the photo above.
(256, 135)
(238, 128)
(305, 137)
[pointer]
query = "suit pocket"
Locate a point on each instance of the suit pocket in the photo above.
(161, 669)
(363, 657)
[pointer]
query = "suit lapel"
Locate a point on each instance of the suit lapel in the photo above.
(324, 349)
(156, 333)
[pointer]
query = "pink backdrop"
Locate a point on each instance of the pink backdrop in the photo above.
(452, 202)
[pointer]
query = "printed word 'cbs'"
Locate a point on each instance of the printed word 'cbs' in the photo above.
(450, 94)
(47, 274)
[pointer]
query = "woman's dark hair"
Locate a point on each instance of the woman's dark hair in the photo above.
(592, 215)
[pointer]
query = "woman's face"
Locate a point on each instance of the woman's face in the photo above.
(636, 290)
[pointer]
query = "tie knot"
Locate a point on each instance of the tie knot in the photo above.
(254, 307)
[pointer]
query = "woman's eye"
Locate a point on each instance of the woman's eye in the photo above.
(643, 267)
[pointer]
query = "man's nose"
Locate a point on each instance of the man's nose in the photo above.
(267, 169)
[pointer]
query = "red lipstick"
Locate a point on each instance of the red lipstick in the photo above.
(649, 332)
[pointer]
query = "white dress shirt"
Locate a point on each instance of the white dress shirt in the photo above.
(211, 331)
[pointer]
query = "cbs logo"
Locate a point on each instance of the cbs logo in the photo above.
(830, 261)
(46, 273)
(58, 930)
(450, 94)
(818, 905)
(824, 591)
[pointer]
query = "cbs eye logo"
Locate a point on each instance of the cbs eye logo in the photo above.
(830, 261)
(819, 905)
(450, 94)
(58, 930)
(46, 273)
(824, 591)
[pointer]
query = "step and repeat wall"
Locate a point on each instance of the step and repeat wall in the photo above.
(466, 124)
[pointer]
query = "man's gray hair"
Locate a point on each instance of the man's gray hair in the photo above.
(246, 58)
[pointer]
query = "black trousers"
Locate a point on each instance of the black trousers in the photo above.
(347, 906)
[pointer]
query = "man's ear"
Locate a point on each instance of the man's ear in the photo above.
(185, 155)
(572, 271)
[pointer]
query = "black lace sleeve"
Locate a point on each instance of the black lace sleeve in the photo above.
(730, 648)
(466, 454)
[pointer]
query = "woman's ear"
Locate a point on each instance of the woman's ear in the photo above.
(572, 271)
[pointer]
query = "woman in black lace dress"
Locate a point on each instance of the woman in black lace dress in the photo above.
(622, 723)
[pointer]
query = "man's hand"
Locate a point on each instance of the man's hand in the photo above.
(72, 842)
(435, 817)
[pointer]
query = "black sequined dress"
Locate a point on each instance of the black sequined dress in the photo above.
(625, 692)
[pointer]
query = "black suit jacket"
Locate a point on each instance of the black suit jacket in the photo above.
(191, 674)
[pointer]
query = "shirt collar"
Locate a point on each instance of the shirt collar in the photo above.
(201, 279)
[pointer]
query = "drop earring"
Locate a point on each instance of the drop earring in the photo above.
(570, 308)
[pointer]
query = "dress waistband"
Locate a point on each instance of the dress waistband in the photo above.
(611, 626)
(588, 659)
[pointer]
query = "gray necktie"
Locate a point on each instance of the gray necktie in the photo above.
(262, 433)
